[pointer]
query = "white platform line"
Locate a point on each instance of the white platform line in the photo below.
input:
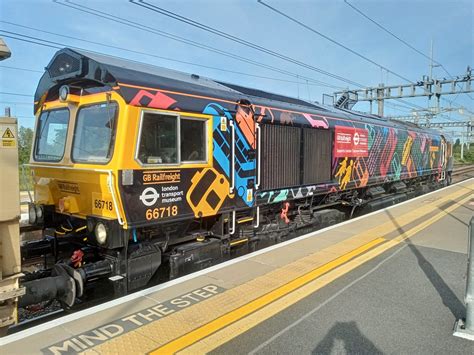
(93, 310)
(333, 297)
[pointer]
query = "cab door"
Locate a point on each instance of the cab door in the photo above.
(243, 156)
(443, 156)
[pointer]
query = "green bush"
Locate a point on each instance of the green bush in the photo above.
(468, 154)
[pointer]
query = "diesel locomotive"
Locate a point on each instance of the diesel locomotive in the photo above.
(140, 170)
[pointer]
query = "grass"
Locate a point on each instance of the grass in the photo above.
(468, 155)
(26, 181)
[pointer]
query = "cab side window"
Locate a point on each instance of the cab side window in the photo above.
(158, 141)
(193, 140)
(168, 139)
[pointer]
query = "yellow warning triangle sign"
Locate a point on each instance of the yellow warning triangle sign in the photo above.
(8, 134)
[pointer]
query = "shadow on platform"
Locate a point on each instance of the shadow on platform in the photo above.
(345, 337)
(449, 298)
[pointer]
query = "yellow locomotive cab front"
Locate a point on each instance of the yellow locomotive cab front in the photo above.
(75, 157)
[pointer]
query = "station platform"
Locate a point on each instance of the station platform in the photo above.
(392, 281)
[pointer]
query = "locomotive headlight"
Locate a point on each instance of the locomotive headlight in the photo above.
(63, 93)
(100, 233)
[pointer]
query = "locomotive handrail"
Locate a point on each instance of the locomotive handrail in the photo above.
(232, 226)
(257, 217)
(259, 139)
(232, 158)
(110, 185)
(112, 192)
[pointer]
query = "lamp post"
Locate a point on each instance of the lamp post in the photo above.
(4, 50)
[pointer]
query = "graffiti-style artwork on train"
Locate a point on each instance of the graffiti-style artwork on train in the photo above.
(392, 155)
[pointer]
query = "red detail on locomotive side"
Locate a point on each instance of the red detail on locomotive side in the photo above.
(284, 212)
(244, 118)
(351, 142)
(158, 100)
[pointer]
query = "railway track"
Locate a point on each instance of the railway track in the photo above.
(460, 169)
(462, 172)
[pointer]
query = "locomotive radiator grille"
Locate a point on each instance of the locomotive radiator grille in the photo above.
(280, 156)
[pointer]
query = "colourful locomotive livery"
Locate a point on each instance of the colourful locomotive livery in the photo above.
(139, 168)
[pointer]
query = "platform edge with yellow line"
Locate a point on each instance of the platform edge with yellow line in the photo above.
(357, 255)
(233, 330)
(176, 345)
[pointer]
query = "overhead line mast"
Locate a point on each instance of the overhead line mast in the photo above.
(346, 101)
(360, 12)
(424, 88)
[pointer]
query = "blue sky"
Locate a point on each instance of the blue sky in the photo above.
(448, 23)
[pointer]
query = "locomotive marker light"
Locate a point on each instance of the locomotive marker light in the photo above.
(63, 93)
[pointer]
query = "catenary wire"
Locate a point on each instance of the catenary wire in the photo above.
(220, 33)
(95, 12)
(101, 14)
(18, 68)
(332, 40)
(15, 94)
(360, 12)
(26, 40)
(36, 41)
(167, 58)
(15, 103)
(57, 43)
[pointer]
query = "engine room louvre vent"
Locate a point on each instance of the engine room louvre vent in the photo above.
(280, 156)
(64, 66)
(317, 155)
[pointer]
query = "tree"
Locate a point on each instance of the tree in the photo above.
(25, 141)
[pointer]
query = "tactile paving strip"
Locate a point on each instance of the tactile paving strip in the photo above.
(162, 331)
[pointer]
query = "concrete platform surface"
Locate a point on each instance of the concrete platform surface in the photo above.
(389, 282)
